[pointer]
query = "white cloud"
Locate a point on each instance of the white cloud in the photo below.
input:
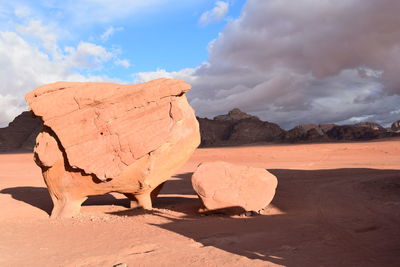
(87, 55)
(184, 74)
(45, 34)
(22, 11)
(109, 32)
(26, 65)
(122, 62)
(10, 106)
(216, 14)
(304, 61)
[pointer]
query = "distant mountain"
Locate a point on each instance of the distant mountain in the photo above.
(237, 128)
(234, 128)
(308, 133)
(395, 126)
(21, 133)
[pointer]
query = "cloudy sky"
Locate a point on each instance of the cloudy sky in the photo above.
(289, 62)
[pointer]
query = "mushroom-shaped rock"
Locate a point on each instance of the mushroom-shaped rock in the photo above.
(221, 185)
(102, 137)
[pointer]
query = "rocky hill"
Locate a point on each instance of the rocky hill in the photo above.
(308, 133)
(20, 133)
(395, 126)
(234, 128)
(237, 128)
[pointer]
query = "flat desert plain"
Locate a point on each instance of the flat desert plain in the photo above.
(336, 204)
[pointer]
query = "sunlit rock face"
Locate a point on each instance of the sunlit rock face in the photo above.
(225, 186)
(103, 137)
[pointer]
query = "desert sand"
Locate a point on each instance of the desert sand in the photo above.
(336, 204)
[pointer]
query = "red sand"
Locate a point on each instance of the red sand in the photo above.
(336, 205)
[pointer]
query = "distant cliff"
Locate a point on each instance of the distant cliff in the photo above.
(21, 133)
(237, 128)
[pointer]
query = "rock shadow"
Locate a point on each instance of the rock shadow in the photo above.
(177, 195)
(39, 197)
(179, 184)
(16, 151)
(106, 199)
(326, 218)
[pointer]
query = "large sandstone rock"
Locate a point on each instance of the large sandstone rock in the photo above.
(102, 137)
(20, 133)
(222, 185)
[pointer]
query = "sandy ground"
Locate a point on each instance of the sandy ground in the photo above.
(336, 205)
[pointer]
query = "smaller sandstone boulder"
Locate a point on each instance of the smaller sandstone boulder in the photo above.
(222, 185)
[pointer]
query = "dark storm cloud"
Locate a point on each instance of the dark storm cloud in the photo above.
(305, 61)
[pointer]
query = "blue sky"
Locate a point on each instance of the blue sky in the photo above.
(160, 35)
(288, 62)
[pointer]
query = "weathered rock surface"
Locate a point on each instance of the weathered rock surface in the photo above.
(102, 137)
(222, 185)
(20, 133)
(236, 128)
